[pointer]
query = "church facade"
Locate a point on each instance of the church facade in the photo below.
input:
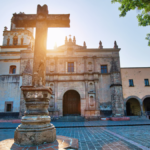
(85, 82)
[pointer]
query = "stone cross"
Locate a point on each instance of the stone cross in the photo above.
(42, 20)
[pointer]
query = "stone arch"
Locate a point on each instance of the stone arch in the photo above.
(133, 106)
(146, 96)
(146, 103)
(134, 97)
(15, 40)
(75, 89)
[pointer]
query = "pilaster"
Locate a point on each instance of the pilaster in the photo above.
(94, 59)
(116, 91)
(85, 64)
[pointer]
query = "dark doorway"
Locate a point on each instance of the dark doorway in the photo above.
(71, 103)
(8, 107)
(128, 109)
(133, 107)
(146, 104)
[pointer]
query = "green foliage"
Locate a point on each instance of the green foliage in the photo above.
(143, 5)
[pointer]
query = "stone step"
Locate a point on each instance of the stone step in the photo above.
(138, 118)
(70, 119)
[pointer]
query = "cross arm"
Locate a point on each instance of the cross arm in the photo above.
(29, 20)
(58, 20)
(24, 20)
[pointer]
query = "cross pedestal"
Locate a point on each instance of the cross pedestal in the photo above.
(36, 128)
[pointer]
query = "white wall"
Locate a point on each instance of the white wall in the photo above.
(10, 91)
(4, 67)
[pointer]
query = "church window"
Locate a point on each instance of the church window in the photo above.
(22, 41)
(15, 40)
(12, 70)
(146, 82)
(70, 66)
(8, 40)
(103, 68)
(131, 82)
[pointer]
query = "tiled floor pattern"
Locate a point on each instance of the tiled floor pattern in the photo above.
(99, 138)
(96, 138)
(138, 134)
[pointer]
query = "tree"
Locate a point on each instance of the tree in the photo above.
(142, 5)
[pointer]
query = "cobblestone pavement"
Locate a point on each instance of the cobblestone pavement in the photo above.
(99, 138)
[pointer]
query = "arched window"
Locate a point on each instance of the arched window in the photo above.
(15, 40)
(8, 40)
(12, 70)
(22, 40)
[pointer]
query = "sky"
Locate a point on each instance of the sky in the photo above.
(90, 21)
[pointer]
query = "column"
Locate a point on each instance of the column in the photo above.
(56, 64)
(56, 92)
(86, 95)
(94, 59)
(141, 105)
(97, 100)
(85, 68)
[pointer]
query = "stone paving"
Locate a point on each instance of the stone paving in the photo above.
(84, 124)
(138, 134)
(102, 138)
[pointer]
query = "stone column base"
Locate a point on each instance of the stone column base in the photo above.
(92, 114)
(35, 136)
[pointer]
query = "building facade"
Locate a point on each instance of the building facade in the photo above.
(86, 82)
(136, 90)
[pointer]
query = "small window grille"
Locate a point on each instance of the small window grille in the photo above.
(70, 66)
(131, 82)
(104, 69)
(146, 82)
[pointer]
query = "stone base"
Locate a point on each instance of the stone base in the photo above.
(92, 113)
(26, 137)
(120, 118)
(61, 143)
(54, 114)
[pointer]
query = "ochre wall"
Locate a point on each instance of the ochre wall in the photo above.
(138, 75)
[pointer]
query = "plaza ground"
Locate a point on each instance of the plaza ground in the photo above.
(97, 135)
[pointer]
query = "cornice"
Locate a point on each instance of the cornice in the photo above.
(10, 59)
(99, 50)
(66, 74)
(15, 46)
(87, 50)
(9, 52)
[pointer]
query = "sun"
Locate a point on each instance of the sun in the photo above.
(56, 36)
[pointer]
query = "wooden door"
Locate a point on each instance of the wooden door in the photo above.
(71, 103)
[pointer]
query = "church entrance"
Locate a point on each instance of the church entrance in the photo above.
(71, 103)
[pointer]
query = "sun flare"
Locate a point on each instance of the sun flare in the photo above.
(56, 36)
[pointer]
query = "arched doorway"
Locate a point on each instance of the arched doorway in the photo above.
(71, 103)
(133, 107)
(146, 104)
